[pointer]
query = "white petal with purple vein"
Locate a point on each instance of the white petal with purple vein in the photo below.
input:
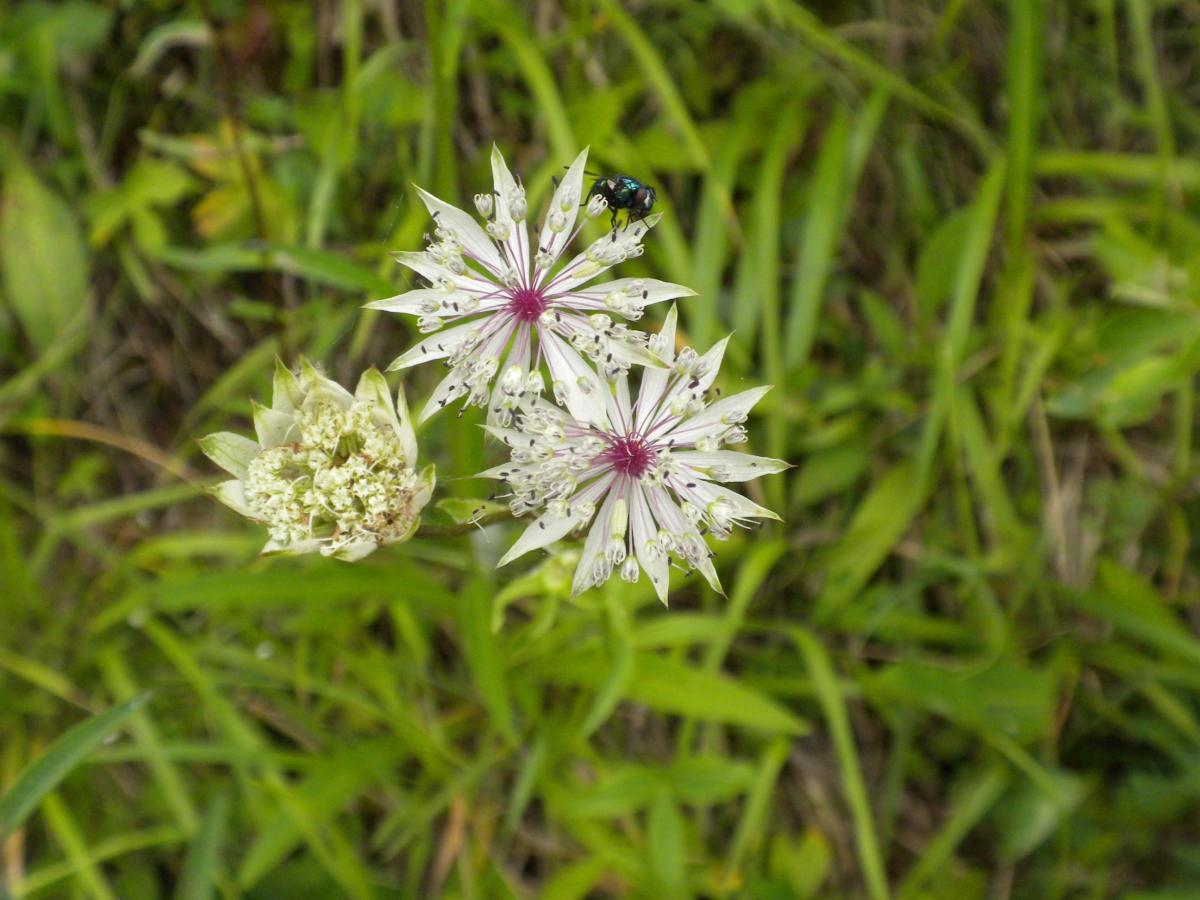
(732, 466)
(587, 404)
(572, 184)
(710, 419)
(474, 240)
(547, 529)
(438, 345)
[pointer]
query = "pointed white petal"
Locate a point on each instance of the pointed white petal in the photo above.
(519, 354)
(511, 437)
(705, 492)
(654, 381)
(408, 302)
(503, 182)
(641, 522)
(709, 419)
(593, 546)
(474, 240)
(232, 494)
(500, 472)
(296, 548)
(405, 431)
(373, 389)
(426, 482)
(547, 529)
(712, 363)
(427, 267)
(584, 390)
(671, 517)
(731, 465)
(312, 381)
(571, 187)
(286, 392)
(635, 355)
(522, 348)
(624, 410)
(709, 571)
(438, 345)
(644, 291)
(351, 552)
(232, 452)
(448, 390)
(518, 238)
(273, 427)
(581, 270)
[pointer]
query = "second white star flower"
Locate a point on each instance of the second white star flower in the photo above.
(643, 472)
(492, 292)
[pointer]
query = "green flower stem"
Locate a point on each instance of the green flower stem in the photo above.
(452, 530)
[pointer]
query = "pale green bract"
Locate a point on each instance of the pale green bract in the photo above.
(331, 472)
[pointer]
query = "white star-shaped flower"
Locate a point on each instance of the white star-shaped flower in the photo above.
(644, 473)
(493, 290)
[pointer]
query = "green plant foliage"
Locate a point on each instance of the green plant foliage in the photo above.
(962, 241)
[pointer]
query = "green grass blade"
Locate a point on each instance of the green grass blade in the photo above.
(826, 41)
(968, 275)
(974, 803)
(108, 848)
(829, 695)
(516, 33)
(45, 773)
(170, 781)
(752, 826)
(484, 654)
(1024, 92)
(655, 72)
(818, 241)
(198, 879)
(62, 825)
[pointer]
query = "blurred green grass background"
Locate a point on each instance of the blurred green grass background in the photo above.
(961, 238)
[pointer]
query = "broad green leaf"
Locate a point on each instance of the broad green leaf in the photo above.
(625, 790)
(468, 510)
(1136, 609)
(334, 785)
(43, 257)
(702, 780)
(938, 263)
(879, 522)
(1010, 698)
(1029, 815)
(829, 472)
(674, 687)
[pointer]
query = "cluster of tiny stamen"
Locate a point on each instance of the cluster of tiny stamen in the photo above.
(344, 478)
(594, 337)
(527, 303)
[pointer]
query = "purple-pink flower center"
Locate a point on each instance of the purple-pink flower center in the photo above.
(630, 455)
(527, 303)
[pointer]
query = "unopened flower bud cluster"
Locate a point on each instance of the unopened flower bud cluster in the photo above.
(345, 472)
(332, 471)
